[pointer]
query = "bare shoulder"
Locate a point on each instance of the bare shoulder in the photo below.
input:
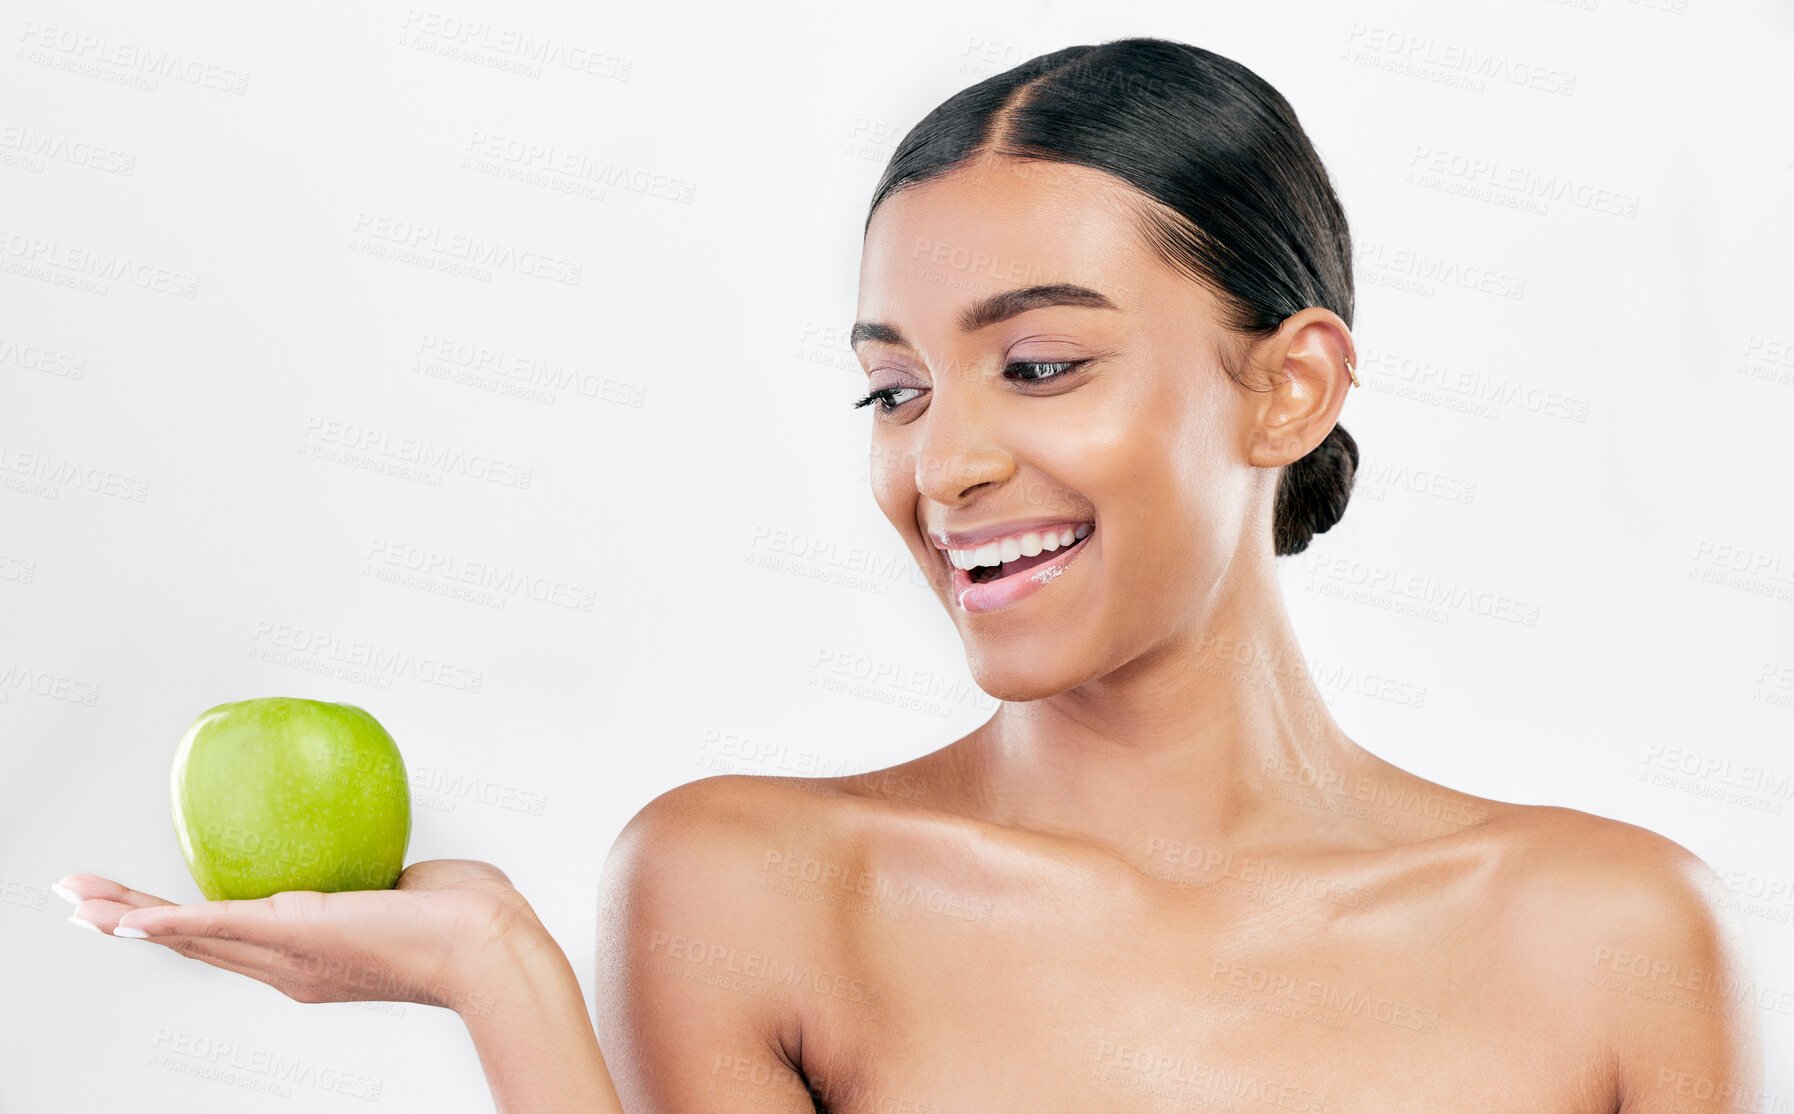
(709, 973)
(714, 835)
(717, 805)
(1570, 876)
(1600, 872)
(1626, 929)
(754, 858)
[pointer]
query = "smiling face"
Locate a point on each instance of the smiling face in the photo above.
(1098, 405)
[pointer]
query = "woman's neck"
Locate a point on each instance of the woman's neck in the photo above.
(1217, 739)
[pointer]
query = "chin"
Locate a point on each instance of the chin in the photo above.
(1017, 678)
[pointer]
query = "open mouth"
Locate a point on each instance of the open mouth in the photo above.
(1061, 542)
(998, 574)
(984, 574)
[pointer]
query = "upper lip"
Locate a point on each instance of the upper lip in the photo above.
(980, 535)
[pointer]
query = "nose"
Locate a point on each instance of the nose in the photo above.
(959, 449)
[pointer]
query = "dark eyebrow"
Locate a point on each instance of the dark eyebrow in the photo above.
(997, 307)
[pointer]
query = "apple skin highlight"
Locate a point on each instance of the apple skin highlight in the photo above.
(279, 793)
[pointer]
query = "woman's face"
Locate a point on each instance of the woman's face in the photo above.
(1100, 408)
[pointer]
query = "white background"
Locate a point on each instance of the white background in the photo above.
(1569, 413)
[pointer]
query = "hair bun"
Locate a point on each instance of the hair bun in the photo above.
(1312, 493)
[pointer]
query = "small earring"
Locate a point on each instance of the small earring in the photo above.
(1353, 374)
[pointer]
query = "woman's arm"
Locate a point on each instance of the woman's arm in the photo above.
(708, 976)
(695, 959)
(527, 1016)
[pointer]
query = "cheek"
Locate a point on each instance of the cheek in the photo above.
(1204, 490)
(1117, 448)
(893, 481)
(1153, 462)
(1197, 435)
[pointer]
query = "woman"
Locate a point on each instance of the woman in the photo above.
(1105, 308)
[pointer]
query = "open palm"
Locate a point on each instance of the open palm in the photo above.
(413, 943)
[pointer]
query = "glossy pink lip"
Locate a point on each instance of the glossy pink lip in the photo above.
(1017, 587)
(972, 539)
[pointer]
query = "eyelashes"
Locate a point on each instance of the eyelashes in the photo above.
(883, 397)
(883, 400)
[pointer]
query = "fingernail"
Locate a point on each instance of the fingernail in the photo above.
(85, 924)
(67, 894)
(127, 930)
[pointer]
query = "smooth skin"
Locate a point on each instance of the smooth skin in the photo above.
(1160, 876)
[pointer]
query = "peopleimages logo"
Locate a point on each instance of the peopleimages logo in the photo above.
(30, 149)
(37, 472)
(36, 357)
(565, 171)
(506, 48)
(121, 61)
(451, 568)
(447, 246)
(322, 436)
(1461, 60)
(329, 654)
(52, 260)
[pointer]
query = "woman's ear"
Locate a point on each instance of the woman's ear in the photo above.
(1301, 377)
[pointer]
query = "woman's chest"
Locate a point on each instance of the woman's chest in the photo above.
(1049, 1001)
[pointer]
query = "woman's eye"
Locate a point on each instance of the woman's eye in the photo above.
(886, 398)
(1034, 372)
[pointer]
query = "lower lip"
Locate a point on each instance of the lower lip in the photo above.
(1013, 589)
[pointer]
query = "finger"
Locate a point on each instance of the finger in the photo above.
(440, 874)
(243, 958)
(303, 978)
(77, 888)
(273, 966)
(268, 920)
(236, 955)
(221, 949)
(104, 914)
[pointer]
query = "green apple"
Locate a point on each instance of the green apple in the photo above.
(277, 794)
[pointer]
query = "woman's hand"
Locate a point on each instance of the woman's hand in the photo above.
(424, 941)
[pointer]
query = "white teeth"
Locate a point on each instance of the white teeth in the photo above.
(1016, 546)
